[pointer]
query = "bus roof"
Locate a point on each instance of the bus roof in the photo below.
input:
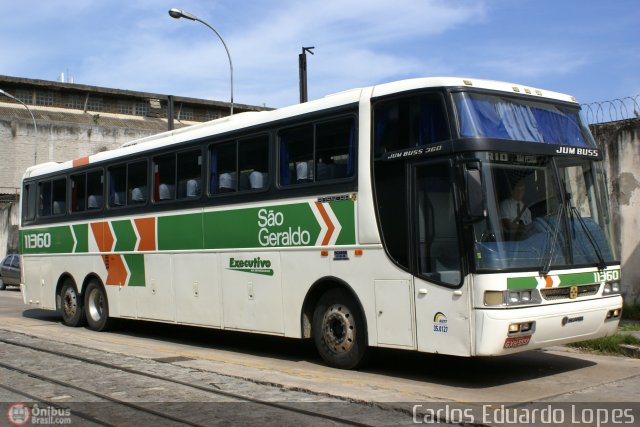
(242, 120)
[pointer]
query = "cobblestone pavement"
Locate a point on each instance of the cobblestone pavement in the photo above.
(172, 396)
(395, 388)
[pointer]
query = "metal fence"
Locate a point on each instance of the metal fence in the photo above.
(613, 110)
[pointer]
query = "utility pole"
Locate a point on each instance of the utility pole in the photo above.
(302, 66)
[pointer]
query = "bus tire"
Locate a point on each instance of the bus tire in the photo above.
(96, 307)
(338, 330)
(71, 304)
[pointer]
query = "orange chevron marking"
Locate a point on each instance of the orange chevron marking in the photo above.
(330, 227)
(549, 281)
(80, 162)
(103, 236)
(147, 231)
(117, 272)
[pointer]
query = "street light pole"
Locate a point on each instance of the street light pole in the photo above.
(177, 14)
(35, 126)
(302, 71)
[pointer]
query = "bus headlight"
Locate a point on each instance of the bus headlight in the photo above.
(611, 288)
(514, 298)
(508, 298)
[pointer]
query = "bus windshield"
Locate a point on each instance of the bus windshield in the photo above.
(542, 212)
(503, 117)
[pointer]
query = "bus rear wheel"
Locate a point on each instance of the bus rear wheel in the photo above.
(96, 307)
(338, 330)
(71, 304)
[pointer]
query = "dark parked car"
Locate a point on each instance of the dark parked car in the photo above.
(10, 271)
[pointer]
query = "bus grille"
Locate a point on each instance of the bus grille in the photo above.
(563, 292)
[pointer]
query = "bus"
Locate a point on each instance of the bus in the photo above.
(443, 215)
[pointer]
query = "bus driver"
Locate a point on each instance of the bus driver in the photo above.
(514, 213)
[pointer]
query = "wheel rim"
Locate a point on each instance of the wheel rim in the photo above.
(95, 305)
(339, 328)
(70, 302)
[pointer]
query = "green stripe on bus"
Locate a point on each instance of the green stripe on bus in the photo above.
(521, 283)
(230, 229)
(576, 279)
(81, 232)
(180, 232)
(135, 262)
(345, 213)
(292, 225)
(47, 240)
(125, 236)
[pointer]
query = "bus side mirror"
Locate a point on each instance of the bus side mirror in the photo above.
(476, 209)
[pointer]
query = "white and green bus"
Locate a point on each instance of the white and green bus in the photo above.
(442, 215)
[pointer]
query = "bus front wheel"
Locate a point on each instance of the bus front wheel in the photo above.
(338, 330)
(71, 304)
(96, 307)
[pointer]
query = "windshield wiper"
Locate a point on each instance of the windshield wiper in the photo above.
(575, 213)
(546, 267)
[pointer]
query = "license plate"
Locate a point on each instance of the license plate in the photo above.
(513, 342)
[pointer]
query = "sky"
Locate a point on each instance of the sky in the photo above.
(586, 48)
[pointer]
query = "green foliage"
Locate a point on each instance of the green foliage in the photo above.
(608, 345)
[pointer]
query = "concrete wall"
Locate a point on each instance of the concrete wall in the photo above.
(57, 140)
(60, 136)
(9, 223)
(621, 142)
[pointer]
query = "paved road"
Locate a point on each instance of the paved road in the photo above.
(397, 379)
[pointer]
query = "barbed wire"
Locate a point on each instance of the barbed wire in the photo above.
(613, 110)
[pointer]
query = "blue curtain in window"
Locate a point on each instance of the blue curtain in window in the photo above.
(433, 125)
(381, 118)
(285, 173)
(479, 117)
(352, 150)
(519, 121)
(560, 127)
(213, 171)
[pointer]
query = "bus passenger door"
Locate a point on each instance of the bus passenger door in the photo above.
(442, 299)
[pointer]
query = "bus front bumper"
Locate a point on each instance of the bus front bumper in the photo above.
(544, 325)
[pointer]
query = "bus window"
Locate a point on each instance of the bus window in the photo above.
(94, 190)
(296, 155)
(137, 183)
(44, 192)
(409, 122)
(78, 192)
(253, 163)
(222, 168)
(335, 149)
(59, 191)
(318, 152)
(437, 236)
(117, 186)
(189, 173)
(164, 175)
(29, 202)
